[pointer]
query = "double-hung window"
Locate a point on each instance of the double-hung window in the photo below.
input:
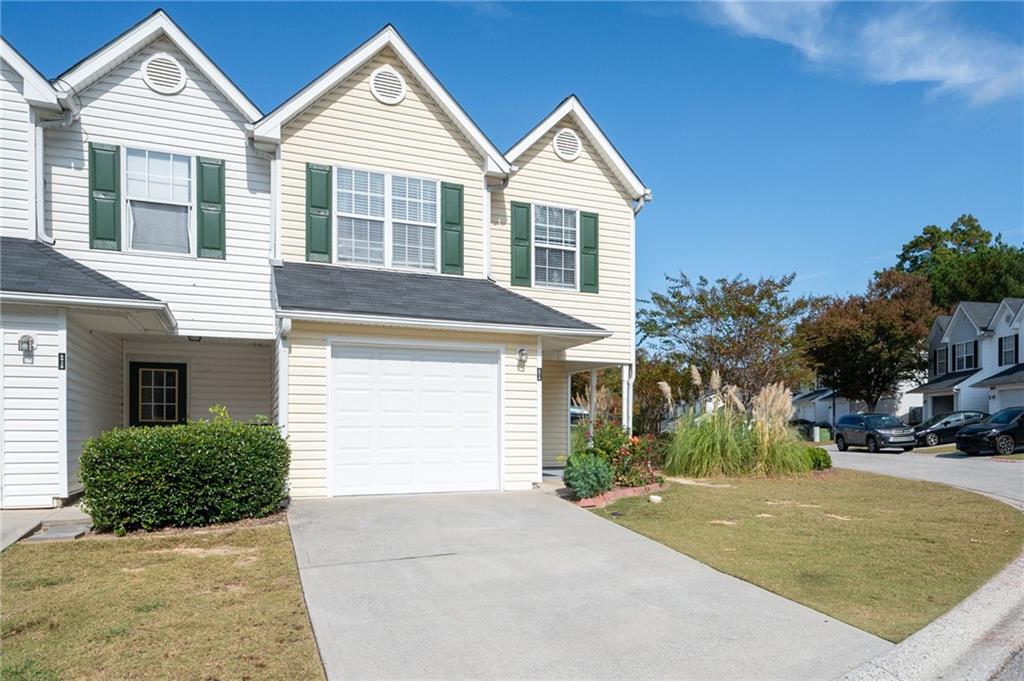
(941, 363)
(555, 246)
(385, 219)
(965, 358)
(1007, 350)
(159, 198)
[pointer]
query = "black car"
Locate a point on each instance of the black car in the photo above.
(874, 431)
(943, 427)
(1000, 433)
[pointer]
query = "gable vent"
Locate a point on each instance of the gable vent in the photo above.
(387, 85)
(567, 144)
(163, 74)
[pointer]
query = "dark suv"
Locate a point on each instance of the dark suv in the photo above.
(874, 431)
(942, 427)
(1000, 433)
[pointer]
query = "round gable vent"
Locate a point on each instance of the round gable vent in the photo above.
(163, 74)
(567, 144)
(387, 85)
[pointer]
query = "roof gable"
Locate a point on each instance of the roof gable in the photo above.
(36, 89)
(156, 25)
(572, 107)
(268, 129)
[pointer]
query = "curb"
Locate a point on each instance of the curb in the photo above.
(976, 640)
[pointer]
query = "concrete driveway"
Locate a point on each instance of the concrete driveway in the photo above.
(1003, 480)
(525, 585)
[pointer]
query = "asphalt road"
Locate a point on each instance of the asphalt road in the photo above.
(1003, 480)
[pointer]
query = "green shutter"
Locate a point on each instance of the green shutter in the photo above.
(318, 213)
(451, 228)
(588, 252)
(520, 244)
(105, 196)
(210, 197)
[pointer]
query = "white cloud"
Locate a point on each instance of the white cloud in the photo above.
(886, 44)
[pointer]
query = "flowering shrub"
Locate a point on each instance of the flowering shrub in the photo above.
(633, 460)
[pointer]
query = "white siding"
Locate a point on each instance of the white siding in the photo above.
(1008, 397)
(588, 185)
(32, 390)
(94, 389)
(208, 297)
(307, 402)
(234, 375)
(15, 146)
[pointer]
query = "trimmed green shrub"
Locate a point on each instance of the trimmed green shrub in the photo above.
(187, 475)
(819, 459)
(587, 474)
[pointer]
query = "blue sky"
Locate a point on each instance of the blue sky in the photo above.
(810, 137)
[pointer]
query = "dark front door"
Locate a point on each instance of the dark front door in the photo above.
(157, 394)
(942, 404)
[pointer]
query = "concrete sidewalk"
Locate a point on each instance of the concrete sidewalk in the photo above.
(525, 585)
(16, 524)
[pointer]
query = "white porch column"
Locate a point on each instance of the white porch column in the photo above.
(625, 396)
(592, 406)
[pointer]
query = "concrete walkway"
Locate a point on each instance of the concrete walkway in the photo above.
(525, 585)
(1003, 480)
(16, 524)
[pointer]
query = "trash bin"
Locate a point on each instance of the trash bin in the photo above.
(816, 434)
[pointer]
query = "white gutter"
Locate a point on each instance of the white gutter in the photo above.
(441, 324)
(163, 312)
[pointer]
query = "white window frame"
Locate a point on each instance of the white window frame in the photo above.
(126, 212)
(387, 219)
(1003, 347)
(961, 354)
(943, 366)
(534, 245)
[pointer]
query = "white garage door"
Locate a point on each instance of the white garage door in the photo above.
(409, 419)
(1011, 398)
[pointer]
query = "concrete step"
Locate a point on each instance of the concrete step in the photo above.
(61, 532)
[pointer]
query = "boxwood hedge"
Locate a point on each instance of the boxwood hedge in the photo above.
(186, 475)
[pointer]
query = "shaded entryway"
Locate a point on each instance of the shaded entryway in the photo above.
(525, 585)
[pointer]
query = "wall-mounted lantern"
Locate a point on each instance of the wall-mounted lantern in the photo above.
(26, 344)
(522, 355)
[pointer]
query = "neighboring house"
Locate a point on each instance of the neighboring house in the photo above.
(824, 405)
(362, 266)
(974, 359)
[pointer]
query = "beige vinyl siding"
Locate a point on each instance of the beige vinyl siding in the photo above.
(32, 389)
(208, 297)
(95, 379)
(235, 375)
(349, 127)
(588, 185)
(15, 147)
(308, 371)
(556, 413)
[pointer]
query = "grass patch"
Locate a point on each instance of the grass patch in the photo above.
(937, 449)
(884, 554)
(220, 603)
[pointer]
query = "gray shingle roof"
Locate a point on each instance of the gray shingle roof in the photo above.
(943, 321)
(354, 290)
(812, 395)
(28, 266)
(944, 382)
(979, 313)
(1014, 374)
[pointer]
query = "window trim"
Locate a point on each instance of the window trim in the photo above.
(534, 245)
(134, 388)
(127, 222)
(963, 355)
(387, 220)
(1003, 347)
(942, 368)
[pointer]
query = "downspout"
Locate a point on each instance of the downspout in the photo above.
(69, 116)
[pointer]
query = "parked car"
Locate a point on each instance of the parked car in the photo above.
(943, 427)
(874, 431)
(1000, 433)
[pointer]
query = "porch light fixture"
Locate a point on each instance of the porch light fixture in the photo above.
(26, 344)
(194, 339)
(522, 355)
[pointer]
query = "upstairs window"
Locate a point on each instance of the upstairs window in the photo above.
(941, 361)
(1007, 350)
(965, 357)
(555, 246)
(386, 220)
(159, 195)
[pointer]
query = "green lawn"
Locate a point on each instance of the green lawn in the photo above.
(883, 554)
(200, 604)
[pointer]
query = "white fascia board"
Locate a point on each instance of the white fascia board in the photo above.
(37, 90)
(440, 324)
(140, 35)
(269, 128)
(163, 312)
(573, 106)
